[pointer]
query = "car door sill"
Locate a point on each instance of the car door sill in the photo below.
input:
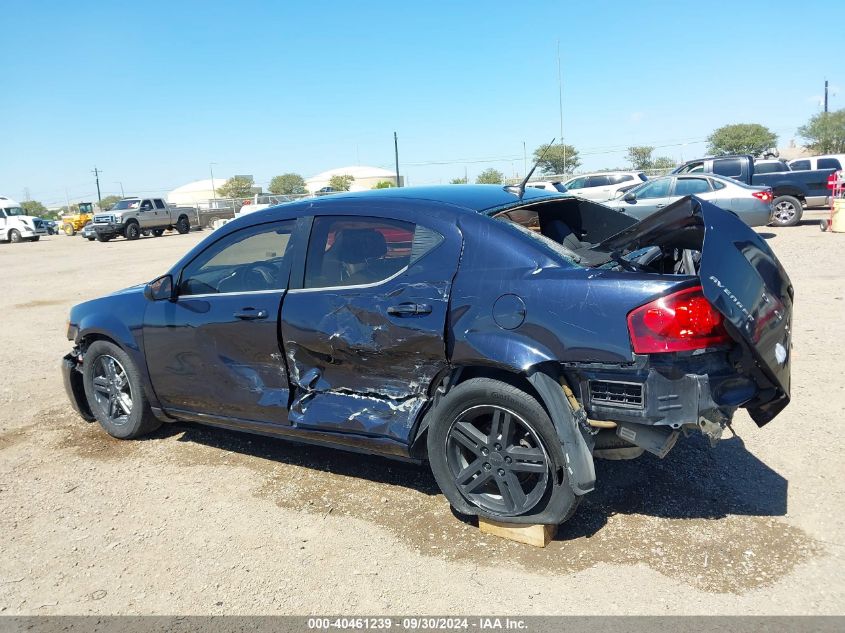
(383, 446)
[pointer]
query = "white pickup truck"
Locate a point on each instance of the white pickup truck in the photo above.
(131, 217)
(16, 225)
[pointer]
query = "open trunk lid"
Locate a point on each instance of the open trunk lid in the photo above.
(741, 277)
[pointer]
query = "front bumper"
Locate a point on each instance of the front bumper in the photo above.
(108, 230)
(75, 388)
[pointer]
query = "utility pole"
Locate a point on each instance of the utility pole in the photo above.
(213, 188)
(396, 152)
(117, 182)
(825, 96)
(97, 173)
(524, 160)
(560, 103)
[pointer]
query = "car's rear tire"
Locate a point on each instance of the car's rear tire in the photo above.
(158, 232)
(14, 236)
(132, 231)
(183, 225)
(115, 392)
(787, 211)
(495, 453)
(35, 239)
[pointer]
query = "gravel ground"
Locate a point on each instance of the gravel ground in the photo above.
(202, 521)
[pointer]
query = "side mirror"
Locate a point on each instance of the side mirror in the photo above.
(160, 289)
(630, 197)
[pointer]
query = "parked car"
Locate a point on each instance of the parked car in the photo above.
(792, 190)
(88, 231)
(548, 185)
(829, 161)
(16, 225)
(604, 185)
(51, 225)
(323, 191)
(504, 335)
(752, 204)
(261, 201)
(130, 217)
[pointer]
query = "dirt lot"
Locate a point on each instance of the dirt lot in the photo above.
(202, 521)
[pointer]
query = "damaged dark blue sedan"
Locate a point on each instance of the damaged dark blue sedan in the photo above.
(506, 336)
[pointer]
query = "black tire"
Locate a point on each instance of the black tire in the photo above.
(132, 231)
(183, 225)
(91, 239)
(116, 397)
(35, 239)
(518, 476)
(787, 211)
(103, 238)
(158, 232)
(15, 236)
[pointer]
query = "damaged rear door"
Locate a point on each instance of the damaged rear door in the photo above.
(364, 335)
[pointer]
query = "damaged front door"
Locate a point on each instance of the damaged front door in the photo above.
(364, 336)
(215, 350)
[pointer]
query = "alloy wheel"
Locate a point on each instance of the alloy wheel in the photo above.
(784, 212)
(497, 460)
(112, 390)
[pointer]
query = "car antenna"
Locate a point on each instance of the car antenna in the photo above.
(520, 190)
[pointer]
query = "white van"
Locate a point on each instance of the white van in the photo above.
(828, 161)
(16, 225)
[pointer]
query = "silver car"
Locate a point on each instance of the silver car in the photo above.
(752, 204)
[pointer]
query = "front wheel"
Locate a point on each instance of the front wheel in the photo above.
(115, 392)
(182, 225)
(103, 238)
(158, 232)
(495, 453)
(788, 211)
(15, 236)
(69, 230)
(91, 239)
(132, 232)
(35, 239)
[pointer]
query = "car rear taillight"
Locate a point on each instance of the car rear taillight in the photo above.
(679, 322)
(765, 196)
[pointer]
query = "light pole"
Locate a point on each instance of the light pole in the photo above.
(117, 182)
(213, 188)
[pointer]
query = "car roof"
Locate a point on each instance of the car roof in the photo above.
(478, 198)
(606, 173)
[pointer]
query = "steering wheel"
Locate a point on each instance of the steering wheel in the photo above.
(258, 277)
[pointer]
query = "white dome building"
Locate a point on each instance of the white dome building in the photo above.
(365, 177)
(197, 192)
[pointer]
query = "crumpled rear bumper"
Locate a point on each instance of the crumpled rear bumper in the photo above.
(72, 379)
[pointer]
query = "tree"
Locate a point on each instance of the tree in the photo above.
(458, 181)
(825, 132)
(559, 159)
(741, 138)
(490, 176)
(383, 184)
(640, 156)
(664, 162)
(33, 207)
(288, 184)
(236, 187)
(108, 202)
(341, 183)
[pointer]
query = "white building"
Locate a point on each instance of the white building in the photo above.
(365, 177)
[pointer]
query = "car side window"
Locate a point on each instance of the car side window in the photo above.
(616, 180)
(249, 260)
(159, 203)
(578, 183)
(799, 165)
(357, 250)
(828, 163)
(2, 214)
(691, 168)
(728, 167)
(691, 186)
(598, 181)
(717, 184)
(146, 205)
(655, 189)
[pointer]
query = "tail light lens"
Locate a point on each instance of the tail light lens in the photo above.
(679, 322)
(765, 196)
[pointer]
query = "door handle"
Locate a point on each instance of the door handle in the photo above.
(409, 309)
(659, 206)
(250, 314)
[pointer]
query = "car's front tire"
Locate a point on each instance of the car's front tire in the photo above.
(115, 392)
(495, 453)
(132, 231)
(15, 236)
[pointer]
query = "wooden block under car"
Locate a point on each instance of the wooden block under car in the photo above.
(536, 535)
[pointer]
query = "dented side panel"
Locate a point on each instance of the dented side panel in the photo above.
(357, 368)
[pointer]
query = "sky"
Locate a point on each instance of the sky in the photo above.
(152, 93)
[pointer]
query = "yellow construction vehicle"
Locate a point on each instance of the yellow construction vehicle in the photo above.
(74, 222)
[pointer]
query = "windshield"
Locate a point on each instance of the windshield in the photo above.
(126, 204)
(10, 211)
